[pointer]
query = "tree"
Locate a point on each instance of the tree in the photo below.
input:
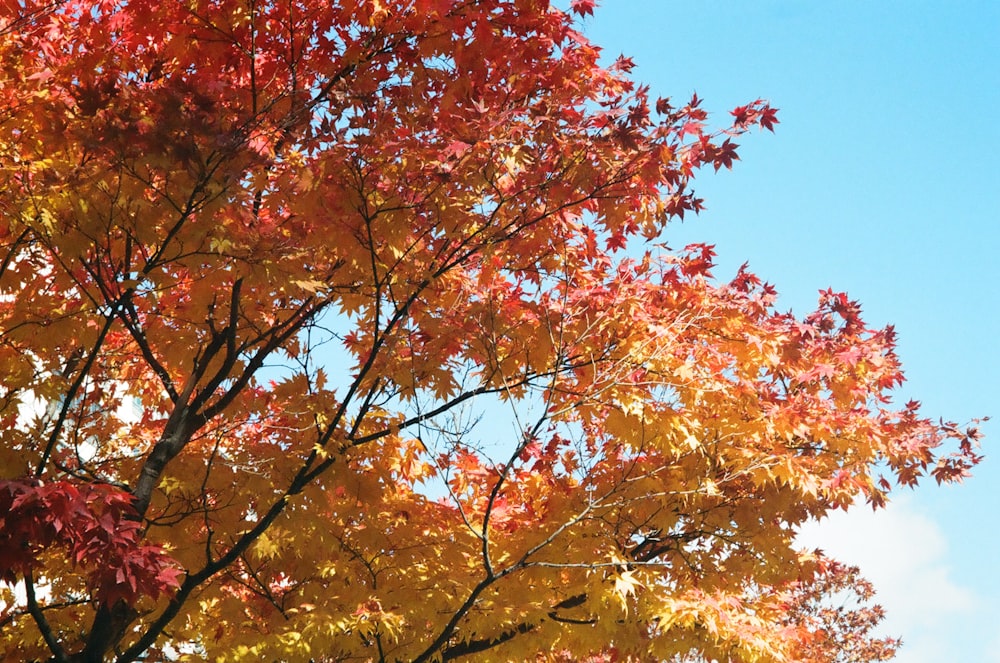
(345, 331)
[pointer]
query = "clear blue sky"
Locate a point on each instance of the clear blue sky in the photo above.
(882, 180)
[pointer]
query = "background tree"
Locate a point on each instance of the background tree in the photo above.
(272, 275)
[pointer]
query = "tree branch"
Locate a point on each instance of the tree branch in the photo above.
(58, 653)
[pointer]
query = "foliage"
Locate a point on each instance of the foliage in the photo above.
(93, 523)
(842, 633)
(341, 331)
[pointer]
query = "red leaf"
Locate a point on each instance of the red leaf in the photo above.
(769, 118)
(583, 7)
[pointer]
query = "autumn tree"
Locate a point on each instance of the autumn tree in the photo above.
(347, 331)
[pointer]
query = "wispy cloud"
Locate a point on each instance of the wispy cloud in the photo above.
(905, 554)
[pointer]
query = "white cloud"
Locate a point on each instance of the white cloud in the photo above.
(994, 651)
(905, 554)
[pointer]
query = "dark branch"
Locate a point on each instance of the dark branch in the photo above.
(479, 646)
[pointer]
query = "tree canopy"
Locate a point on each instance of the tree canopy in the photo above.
(350, 331)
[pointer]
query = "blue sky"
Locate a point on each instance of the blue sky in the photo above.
(881, 180)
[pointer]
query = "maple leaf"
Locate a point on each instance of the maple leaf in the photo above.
(583, 7)
(663, 106)
(626, 585)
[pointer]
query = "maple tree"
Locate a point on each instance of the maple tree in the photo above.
(341, 331)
